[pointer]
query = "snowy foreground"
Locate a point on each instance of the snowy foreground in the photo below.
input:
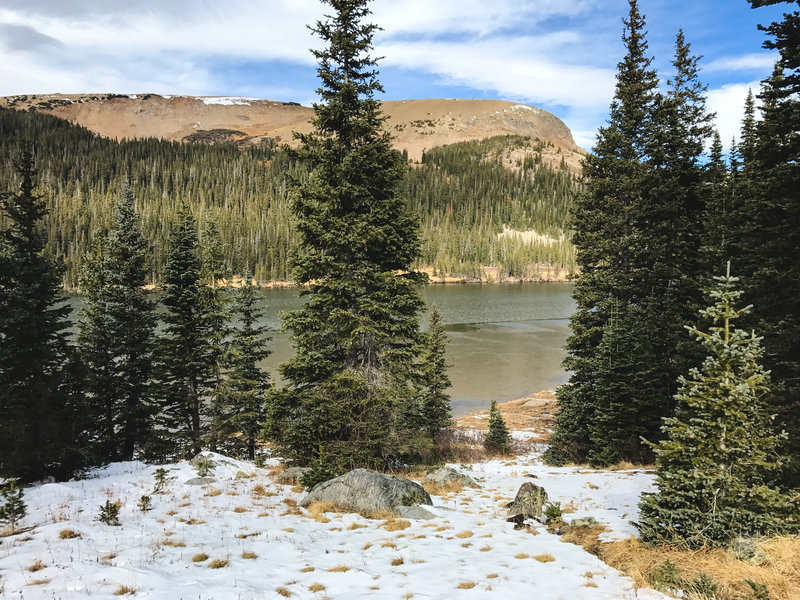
(275, 549)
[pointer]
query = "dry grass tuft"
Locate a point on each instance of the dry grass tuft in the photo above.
(39, 582)
(194, 521)
(492, 576)
(545, 558)
(202, 557)
(249, 555)
(318, 508)
(397, 561)
(316, 587)
(291, 502)
(218, 563)
(451, 487)
(353, 526)
(465, 534)
(173, 543)
(466, 585)
(486, 548)
(307, 569)
(283, 592)
(69, 534)
(779, 569)
(396, 525)
(585, 537)
(241, 509)
(339, 569)
(522, 555)
(124, 590)
(36, 566)
(259, 491)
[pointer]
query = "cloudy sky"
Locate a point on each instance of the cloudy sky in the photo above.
(560, 55)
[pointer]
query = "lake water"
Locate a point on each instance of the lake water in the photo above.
(505, 341)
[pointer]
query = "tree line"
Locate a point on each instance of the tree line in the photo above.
(462, 194)
(656, 224)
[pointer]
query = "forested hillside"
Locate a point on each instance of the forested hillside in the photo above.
(464, 195)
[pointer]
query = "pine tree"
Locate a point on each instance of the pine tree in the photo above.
(498, 438)
(434, 401)
(13, 508)
(607, 238)
(357, 337)
(770, 218)
(116, 334)
(716, 460)
(186, 360)
(37, 414)
(239, 411)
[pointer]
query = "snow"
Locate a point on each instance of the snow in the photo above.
(468, 543)
(227, 100)
(525, 107)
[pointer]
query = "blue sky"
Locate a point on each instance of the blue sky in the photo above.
(560, 55)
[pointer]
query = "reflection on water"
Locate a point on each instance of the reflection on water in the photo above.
(505, 341)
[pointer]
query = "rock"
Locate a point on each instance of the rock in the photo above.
(584, 522)
(241, 475)
(291, 476)
(200, 481)
(448, 476)
(413, 512)
(529, 501)
(747, 549)
(365, 491)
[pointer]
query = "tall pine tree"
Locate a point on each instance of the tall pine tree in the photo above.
(37, 413)
(116, 335)
(357, 336)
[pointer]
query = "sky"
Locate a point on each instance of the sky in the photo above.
(560, 55)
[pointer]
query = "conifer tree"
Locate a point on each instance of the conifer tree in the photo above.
(716, 460)
(770, 217)
(37, 413)
(186, 361)
(239, 410)
(498, 438)
(357, 337)
(13, 508)
(116, 334)
(607, 237)
(434, 401)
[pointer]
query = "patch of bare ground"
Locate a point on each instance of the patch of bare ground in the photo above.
(533, 418)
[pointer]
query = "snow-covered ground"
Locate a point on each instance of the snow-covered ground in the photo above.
(274, 549)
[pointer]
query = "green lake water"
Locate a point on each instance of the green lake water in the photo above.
(505, 341)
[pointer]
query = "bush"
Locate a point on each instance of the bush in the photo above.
(145, 503)
(109, 513)
(553, 511)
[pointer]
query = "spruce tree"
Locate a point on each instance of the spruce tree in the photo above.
(186, 359)
(13, 508)
(608, 240)
(770, 233)
(719, 452)
(116, 334)
(37, 413)
(239, 410)
(434, 402)
(498, 438)
(357, 337)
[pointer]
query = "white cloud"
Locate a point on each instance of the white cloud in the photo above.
(763, 61)
(728, 102)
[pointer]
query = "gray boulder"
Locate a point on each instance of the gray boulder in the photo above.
(448, 476)
(200, 481)
(528, 503)
(291, 476)
(413, 512)
(365, 491)
(203, 459)
(589, 522)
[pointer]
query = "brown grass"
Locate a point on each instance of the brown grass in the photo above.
(779, 569)
(36, 566)
(585, 537)
(466, 585)
(492, 576)
(241, 509)
(307, 569)
(124, 590)
(522, 555)
(353, 526)
(69, 534)
(316, 587)
(202, 557)
(247, 555)
(545, 558)
(485, 548)
(396, 525)
(451, 487)
(465, 534)
(39, 582)
(339, 569)
(218, 563)
(194, 521)
(318, 508)
(397, 561)
(283, 592)
(173, 543)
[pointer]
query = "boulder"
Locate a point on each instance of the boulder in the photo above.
(448, 476)
(529, 502)
(365, 491)
(589, 522)
(413, 512)
(200, 481)
(747, 549)
(203, 459)
(291, 476)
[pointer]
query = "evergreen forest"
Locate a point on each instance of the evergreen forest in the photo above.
(462, 194)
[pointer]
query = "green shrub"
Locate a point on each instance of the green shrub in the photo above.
(109, 513)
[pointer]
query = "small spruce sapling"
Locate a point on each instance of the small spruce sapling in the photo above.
(13, 509)
(498, 439)
(109, 513)
(145, 503)
(204, 466)
(160, 477)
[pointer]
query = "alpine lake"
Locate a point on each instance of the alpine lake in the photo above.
(505, 341)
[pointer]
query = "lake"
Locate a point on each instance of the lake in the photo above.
(505, 341)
